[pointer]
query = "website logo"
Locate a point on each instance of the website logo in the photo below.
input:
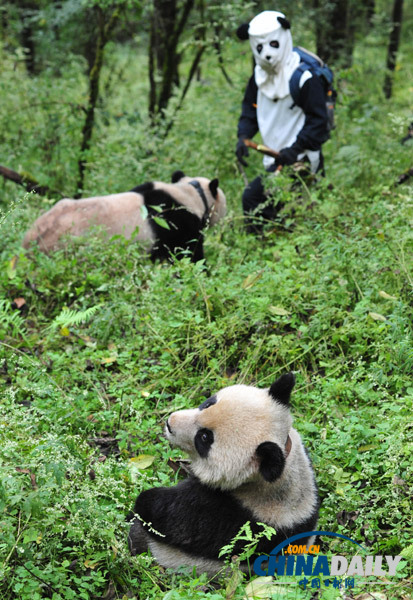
(303, 559)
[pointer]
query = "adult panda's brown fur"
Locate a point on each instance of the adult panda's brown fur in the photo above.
(187, 205)
(248, 464)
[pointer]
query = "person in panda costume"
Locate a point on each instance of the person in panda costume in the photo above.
(296, 130)
(248, 464)
(168, 217)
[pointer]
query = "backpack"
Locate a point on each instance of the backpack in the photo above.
(313, 63)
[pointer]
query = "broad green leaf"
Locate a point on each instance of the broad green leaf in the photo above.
(142, 461)
(349, 152)
(371, 595)
(278, 310)
(11, 267)
(31, 535)
(386, 295)
(251, 280)
(262, 587)
(367, 447)
(108, 360)
(377, 316)
(89, 564)
(407, 552)
(233, 583)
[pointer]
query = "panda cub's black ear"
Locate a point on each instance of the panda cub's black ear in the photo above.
(242, 32)
(213, 187)
(281, 389)
(285, 23)
(176, 176)
(271, 459)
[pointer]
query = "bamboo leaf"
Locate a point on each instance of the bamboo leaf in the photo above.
(144, 212)
(161, 222)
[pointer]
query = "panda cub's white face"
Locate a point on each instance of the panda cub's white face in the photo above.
(222, 436)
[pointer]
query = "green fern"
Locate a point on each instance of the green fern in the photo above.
(10, 319)
(74, 317)
(245, 534)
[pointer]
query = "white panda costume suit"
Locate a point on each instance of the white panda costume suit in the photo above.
(248, 464)
(295, 130)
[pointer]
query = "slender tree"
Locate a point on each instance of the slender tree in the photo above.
(202, 24)
(168, 21)
(106, 22)
(393, 47)
(335, 29)
(27, 10)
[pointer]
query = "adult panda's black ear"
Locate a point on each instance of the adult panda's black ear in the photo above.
(271, 459)
(285, 23)
(281, 389)
(176, 176)
(242, 32)
(213, 187)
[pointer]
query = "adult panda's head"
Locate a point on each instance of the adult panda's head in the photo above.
(240, 434)
(215, 197)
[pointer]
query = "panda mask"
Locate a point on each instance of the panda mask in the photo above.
(272, 47)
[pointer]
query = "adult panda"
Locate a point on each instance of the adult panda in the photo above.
(248, 464)
(168, 217)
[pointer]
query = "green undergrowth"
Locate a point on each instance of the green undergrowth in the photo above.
(98, 345)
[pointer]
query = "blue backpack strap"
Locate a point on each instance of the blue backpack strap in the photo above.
(309, 62)
(295, 81)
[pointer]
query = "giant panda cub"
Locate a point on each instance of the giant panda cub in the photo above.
(169, 217)
(248, 464)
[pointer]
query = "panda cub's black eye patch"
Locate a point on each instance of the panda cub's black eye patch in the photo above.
(208, 402)
(275, 44)
(259, 48)
(204, 439)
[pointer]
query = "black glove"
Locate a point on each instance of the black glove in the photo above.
(241, 151)
(288, 156)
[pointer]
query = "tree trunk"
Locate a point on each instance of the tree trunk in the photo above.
(370, 7)
(27, 7)
(167, 26)
(104, 32)
(393, 47)
(335, 28)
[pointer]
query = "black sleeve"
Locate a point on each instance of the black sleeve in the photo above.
(191, 516)
(312, 100)
(248, 124)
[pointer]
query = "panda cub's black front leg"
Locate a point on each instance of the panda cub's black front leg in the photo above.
(190, 516)
(137, 539)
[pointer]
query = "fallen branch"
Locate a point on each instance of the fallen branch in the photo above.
(27, 181)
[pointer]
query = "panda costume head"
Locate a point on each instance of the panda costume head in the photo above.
(248, 464)
(272, 46)
(187, 205)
